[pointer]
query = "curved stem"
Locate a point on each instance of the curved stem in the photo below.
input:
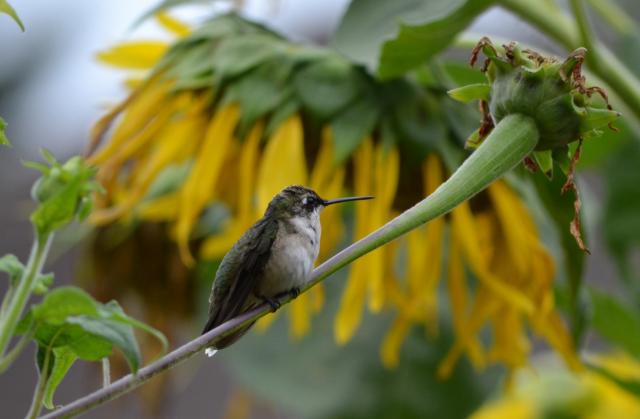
(579, 12)
(509, 142)
(38, 396)
(22, 293)
(8, 359)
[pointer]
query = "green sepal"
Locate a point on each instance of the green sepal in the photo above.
(593, 118)
(474, 140)
(544, 159)
(562, 158)
(479, 91)
(12, 266)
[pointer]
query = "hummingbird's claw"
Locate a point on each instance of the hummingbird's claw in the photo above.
(275, 304)
(295, 291)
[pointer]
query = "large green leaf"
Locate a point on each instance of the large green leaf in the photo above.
(261, 91)
(560, 209)
(352, 125)
(397, 36)
(62, 303)
(326, 86)
(238, 54)
(616, 322)
(117, 333)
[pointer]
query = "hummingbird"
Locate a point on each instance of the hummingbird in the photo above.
(273, 257)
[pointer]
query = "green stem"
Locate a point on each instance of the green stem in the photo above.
(7, 360)
(616, 18)
(509, 142)
(5, 300)
(38, 255)
(580, 14)
(38, 396)
(601, 60)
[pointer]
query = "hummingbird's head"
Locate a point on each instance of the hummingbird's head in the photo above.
(299, 201)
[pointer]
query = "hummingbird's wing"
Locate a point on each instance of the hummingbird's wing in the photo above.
(240, 271)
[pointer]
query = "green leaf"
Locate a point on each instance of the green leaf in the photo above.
(62, 303)
(238, 54)
(6, 8)
(470, 92)
(63, 359)
(327, 86)
(115, 332)
(12, 266)
(261, 91)
(427, 27)
(616, 322)
(42, 284)
(3, 125)
(113, 311)
(352, 125)
(416, 44)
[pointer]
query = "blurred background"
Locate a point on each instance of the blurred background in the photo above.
(51, 91)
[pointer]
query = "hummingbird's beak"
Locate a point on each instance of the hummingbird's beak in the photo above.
(351, 198)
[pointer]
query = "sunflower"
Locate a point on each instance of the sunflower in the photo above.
(232, 113)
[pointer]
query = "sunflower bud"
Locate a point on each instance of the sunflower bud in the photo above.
(553, 93)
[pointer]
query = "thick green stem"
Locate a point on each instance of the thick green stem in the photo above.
(23, 291)
(509, 142)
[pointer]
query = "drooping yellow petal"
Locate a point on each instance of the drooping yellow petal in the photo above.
(386, 174)
(353, 298)
(283, 162)
(138, 112)
(164, 208)
(515, 223)
(327, 180)
(173, 25)
(458, 298)
(508, 409)
(390, 350)
(218, 245)
(198, 189)
(300, 316)
(176, 142)
(139, 55)
(464, 228)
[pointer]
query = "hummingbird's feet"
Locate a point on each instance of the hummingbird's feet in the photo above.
(275, 304)
(294, 292)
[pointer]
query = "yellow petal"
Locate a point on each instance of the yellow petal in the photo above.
(508, 409)
(139, 109)
(386, 174)
(198, 189)
(458, 298)
(139, 55)
(164, 208)
(300, 316)
(283, 162)
(465, 230)
(173, 25)
(351, 305)
(390, 351)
